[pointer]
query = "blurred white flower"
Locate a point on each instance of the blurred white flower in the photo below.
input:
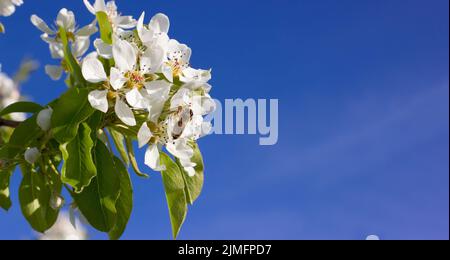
(9, 94)
(64, 230)
(8, 7)
(32, 155)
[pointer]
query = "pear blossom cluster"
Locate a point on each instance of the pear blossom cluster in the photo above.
(151, 78)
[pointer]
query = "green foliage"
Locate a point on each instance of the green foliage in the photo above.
(35, 194)
(5, 200)
(97, 202)
(175, 193)
(194, 184)
(71, 109)
(124, 204)
(119, 142)
(70, 60)
(21, 107)
(25, 135)
(132, 158)
(78, 169)
(105, 27)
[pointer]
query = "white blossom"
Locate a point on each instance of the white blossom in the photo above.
(8, 7)
(9, 94)
(79, 38)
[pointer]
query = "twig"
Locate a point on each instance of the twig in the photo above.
(9, 123)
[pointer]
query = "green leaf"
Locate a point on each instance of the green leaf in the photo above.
(78, 169)
(21, 107)
(69, 111)
(124, 204)
(132, 157)
(105, 27)
(175, 193)
(70, 60)
(5, 200)
(119, 141)
(194, 184)
(22, 138)
(97, 202)
(35, 193)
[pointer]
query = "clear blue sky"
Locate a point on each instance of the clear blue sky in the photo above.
(364, 117)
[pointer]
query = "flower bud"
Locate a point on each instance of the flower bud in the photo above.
(44, 119)
(56, 201)
(32, 155)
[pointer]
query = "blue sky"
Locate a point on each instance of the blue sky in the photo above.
(363, 88)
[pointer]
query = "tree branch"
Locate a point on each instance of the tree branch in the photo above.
(9, 123)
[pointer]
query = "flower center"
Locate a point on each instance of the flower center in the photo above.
(135, 79)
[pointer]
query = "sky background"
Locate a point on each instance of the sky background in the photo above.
(363, 89)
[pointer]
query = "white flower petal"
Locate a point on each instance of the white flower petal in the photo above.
(100, 6)
(55, 72)
(146, 35)
(90, 8)
(93, 71)
(135, 99)
(44, 119)
(56, 50)
(88, 30)
(180, 99)
(32, 155)
(80, 46)
(124, 113)
(144, 135)
(160, 23)
(103, 49)
(66, 20)
(99, 100)
(180, 149)
(168, 72)
(117, 79)
(157, 95)
(41, 25)
(125, 22)
(124, 54)
(152, 59)
(152, 158)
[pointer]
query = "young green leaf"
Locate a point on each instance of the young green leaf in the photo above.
(23, 137)
(97, 202)
(70, 60)
(21, 107)
(119, 142)
(78, 169)
(194, 184)
(5, 200)
(132, 157)
(35, 193)
(69, 111)
(105, 27)
(124, 204)
(175, 193)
